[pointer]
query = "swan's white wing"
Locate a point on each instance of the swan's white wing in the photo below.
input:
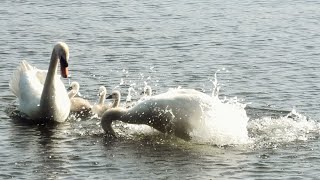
(41, 75)
(27, 84)
(30, 93)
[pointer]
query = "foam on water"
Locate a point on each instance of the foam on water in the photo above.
(289, 128)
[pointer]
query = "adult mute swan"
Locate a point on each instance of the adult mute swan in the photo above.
(101, 107)
(178, 112)
(42, 95)
(78, 105)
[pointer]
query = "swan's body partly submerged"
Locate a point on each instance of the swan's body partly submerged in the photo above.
(177, 112)
(42, 95)
(101, 107)
(78, 105)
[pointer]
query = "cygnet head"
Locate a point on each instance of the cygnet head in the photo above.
(102, 94)
(147, 90)
(116, 98)
(102, 91)
(74, 86)
(74, 89)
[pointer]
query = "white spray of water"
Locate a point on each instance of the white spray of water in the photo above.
(225, 122)
(292, 127)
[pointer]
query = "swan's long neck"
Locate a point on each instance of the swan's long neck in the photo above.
(120, 114)
(109, 116)
(72, 93)
(116, 103)
(48, 92)
(102, 98)
(53, 68)
(133, 116)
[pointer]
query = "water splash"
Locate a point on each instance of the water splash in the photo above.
(294, 126)
(222, 123)
(225, 123)
(216, 86)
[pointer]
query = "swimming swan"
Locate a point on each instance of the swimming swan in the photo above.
(42, 95)
(78, 104)
(100, 107)
(178, 112)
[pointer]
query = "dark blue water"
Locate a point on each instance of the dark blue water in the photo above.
(265, 53)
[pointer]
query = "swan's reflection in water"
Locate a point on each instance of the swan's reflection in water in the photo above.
(40, 149)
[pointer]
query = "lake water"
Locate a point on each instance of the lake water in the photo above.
(265, 55)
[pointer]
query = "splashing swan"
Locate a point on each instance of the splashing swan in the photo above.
(78, 104)
(177, 112)
(42, 95)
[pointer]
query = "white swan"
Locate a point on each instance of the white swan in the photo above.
(78, 105)
(177, 112)
(42, 95)
(101, 107)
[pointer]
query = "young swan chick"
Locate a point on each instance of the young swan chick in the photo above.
(79, 105)
(101, 107)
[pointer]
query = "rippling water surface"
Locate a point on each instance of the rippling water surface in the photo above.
(265, 55)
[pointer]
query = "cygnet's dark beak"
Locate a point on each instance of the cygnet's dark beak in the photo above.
(109, 97)
(69, 88)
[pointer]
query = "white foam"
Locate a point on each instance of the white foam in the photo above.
(225, 123)
(292, 127)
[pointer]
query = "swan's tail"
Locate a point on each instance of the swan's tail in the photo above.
(15, 79)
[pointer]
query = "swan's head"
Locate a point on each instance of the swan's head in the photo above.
(102, 91)
(62, 51)
(116, 97)
(147, 91)
(74, 86)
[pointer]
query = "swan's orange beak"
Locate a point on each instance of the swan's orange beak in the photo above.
(64, 72)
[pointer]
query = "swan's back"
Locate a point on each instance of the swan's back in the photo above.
(181, 108)
(80, 105)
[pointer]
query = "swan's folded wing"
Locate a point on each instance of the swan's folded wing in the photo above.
(30, 87)
(26, 77)
(41, 75)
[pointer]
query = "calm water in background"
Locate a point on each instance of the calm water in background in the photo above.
(266, 54)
